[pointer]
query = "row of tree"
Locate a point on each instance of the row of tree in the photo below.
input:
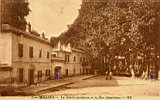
(109, 28)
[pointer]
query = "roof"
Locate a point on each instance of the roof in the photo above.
(8, 28)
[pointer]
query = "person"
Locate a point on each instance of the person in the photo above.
(110, 75)
(58, 75)
(106, 75)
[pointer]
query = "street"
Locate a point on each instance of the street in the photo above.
(117, 86)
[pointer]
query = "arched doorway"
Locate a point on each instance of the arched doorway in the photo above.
(57, 72)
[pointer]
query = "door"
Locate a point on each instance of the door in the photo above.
(57, 72)
(21, 75)
(31, 76)
(66, 72)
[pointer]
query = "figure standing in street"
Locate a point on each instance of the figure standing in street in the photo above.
(58, 75)
(108, 75)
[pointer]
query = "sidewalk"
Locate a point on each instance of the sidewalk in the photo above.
(51, 84)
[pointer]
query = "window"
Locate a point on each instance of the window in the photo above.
(21, 74)
(40, 53)
(74, 71)
(20, 50)
(66, 58)
(84, 59)
(48, 55)
(39, 75)
(31, 52)
(81, 59)
(74, 58)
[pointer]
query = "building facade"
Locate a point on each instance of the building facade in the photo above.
(25, 57)
(69, 61)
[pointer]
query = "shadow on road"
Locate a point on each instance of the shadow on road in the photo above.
(98, 81)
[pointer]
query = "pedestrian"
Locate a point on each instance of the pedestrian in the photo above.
(58, 75)
(106, 75)
(110, 75)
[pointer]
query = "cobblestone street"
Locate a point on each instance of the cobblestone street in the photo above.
(118, 86)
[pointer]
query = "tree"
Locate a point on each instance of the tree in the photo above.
(14, 13)
(112, 28)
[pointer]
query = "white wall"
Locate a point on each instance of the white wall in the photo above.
(27, 42)
(5, 48)
(25, 62)
(5, 77)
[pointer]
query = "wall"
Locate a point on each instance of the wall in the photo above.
(5, 76)
(71, 65)
(5, 48)
(25, 62)
(27, 42)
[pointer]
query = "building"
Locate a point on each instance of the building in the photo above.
(69, 61)
(25, 57)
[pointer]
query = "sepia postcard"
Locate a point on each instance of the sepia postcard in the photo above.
(80, 49)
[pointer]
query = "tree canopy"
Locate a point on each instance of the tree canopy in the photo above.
(14, 13)
(116, 25)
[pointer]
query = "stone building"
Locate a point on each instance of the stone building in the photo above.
(24, 56)
(69, 61)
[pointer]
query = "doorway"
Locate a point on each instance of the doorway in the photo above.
(57, 72)
(31, 76)
(21, 75)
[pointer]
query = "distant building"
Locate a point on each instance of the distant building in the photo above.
(69, 61)
(25, 57)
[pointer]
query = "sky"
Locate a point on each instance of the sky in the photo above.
(52, 16)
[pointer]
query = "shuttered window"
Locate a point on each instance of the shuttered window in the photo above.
(20, 50)
(31, 52)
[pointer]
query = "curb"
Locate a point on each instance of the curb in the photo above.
(63, 84)
(54, 87)
(39, 92)
(89, 77)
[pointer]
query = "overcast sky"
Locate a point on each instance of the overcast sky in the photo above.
(53, 16)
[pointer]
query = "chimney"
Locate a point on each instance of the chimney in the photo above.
(43, 35)
(28, 29)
